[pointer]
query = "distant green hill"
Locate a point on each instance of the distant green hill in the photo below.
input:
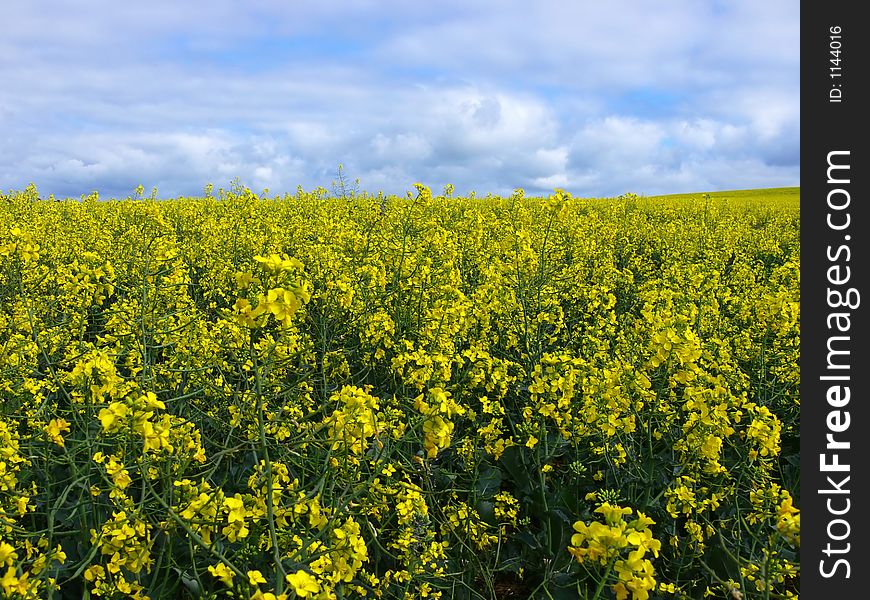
(785, 194)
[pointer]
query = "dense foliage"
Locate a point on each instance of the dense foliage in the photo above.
(376, 396)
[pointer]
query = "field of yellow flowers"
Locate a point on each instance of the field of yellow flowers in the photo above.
(251, 397)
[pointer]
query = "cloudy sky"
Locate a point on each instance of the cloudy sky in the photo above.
(596, 97)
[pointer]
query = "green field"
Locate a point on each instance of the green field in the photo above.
(774, 195)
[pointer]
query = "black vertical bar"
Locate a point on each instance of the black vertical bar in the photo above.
(835, 440)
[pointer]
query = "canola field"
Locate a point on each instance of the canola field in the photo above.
(368, 396)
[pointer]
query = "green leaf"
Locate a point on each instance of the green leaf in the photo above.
(488, 481)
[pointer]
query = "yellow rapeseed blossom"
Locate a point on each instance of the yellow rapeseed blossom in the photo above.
(367, 391)
(304, 584)
(222, 572)
(54, 428)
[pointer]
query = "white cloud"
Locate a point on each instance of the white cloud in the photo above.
(674, 155)
(488, 95)
(701, 134)
(619, 139)
(410, 146)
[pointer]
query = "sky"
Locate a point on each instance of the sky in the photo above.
(599, 98)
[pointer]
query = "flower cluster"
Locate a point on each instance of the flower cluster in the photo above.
(620, 545)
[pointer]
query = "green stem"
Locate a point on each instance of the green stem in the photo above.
(603, 581)
(270, 508)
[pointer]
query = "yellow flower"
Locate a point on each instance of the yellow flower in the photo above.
(303, 583)
(244, 279)
(151, 402)
(789, 520)
(54, 428)
(110, 417)
(260, 595)
(437, 432)
(13, 584)
(222, 572)
(279, 302)
(244, 314)
(236, 506)
(276, 264)
(7, 554)
(644, 541)
(669, 588)
(612, 514)
(255, 577)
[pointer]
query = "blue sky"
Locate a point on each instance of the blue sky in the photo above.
(598, 98)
